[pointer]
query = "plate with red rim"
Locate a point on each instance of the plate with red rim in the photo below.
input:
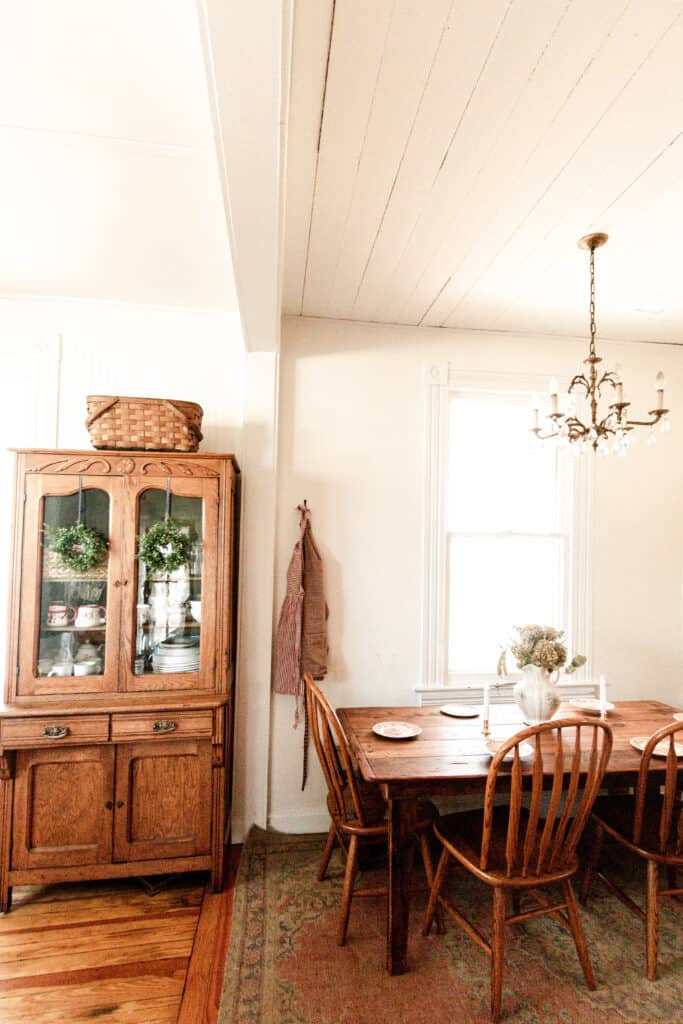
(661, 750)
(589, 705)
(459, 710)
(392, 730)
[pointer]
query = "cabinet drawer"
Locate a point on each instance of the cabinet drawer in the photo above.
(54, 731)
(164, 724)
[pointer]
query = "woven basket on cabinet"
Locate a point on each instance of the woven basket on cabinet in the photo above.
(144, 424)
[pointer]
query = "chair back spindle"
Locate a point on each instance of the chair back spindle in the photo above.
(575, 752)
(670, 829)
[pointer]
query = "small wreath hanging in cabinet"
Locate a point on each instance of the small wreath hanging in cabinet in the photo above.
(166, 546)
(78, 547)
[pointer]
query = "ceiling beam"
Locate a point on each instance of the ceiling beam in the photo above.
(247, 57)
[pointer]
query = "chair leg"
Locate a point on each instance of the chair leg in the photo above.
(497, 952)
(652, 918)
(327, 852)
(577, 933)
(437, 886)
(592, 862)
(429, 872)
(349, 879)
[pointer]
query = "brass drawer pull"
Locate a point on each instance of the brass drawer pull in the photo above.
(165, 725)
(56, 732)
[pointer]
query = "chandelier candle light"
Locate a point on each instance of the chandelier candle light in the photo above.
(615, 426)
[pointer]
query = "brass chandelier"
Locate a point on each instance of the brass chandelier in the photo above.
(603, 433)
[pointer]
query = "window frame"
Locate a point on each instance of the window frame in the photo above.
(442, 380)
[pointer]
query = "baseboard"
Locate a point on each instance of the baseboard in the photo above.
(311, 821)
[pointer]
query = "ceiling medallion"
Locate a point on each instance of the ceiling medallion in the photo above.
(611, 432)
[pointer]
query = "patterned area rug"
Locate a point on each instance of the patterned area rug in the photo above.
(284, 966)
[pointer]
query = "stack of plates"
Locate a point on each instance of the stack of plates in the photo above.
(177, 654)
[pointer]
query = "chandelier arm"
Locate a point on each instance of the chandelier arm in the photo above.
(580, 381)
(656, 415)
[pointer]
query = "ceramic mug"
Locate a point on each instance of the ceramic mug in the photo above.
(90, 615)
(61, 668)
(85, 668)
(60, 615)
(196, 610)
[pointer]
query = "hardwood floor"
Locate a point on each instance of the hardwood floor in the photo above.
(108, 951)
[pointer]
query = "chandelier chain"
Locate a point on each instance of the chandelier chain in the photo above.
(592, 301)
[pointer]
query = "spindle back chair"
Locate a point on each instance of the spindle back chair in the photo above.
(356, 808)
(524, 845)
(650, 825)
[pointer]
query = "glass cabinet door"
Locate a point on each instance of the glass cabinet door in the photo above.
(171, 644)
(69, 620)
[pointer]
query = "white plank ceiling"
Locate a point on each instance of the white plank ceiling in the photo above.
(444, 156)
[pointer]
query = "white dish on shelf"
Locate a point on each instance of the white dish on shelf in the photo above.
(392, 730)
(661, 750)
(589, 705)
(459, 710)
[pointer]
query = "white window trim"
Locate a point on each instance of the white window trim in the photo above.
(440, 379)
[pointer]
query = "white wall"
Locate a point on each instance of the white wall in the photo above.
(352, 442)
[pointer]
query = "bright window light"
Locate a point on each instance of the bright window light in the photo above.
(507, 530)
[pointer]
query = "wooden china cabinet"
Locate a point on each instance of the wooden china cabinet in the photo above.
(116, 731)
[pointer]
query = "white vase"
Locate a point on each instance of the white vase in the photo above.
(537, 694)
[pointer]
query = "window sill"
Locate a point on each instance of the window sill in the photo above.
(473, 693)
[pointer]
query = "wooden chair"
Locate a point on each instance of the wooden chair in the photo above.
(650, 825)
(356, 808)
(514, 848)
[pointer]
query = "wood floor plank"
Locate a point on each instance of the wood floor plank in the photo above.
(96, 945)
(150, 998)
(204, 984)
(137, 969)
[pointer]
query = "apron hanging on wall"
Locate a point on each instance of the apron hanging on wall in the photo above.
(301, 638)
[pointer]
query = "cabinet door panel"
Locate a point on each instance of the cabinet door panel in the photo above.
(170, 620)
(63, 807)
(163, 800)
(69, 618)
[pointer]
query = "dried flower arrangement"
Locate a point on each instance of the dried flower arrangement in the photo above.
(542, 646)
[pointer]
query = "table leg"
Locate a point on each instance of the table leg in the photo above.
(402, 821)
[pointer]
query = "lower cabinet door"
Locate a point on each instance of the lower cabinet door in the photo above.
(163, 800)
(63, 801)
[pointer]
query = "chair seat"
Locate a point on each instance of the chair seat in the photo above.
(616, 814)
(461, 833)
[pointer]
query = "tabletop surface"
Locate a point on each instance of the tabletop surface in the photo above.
(454, 748)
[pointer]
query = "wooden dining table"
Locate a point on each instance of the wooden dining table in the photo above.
(449, 757)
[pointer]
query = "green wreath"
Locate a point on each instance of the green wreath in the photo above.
(164, 547)
(77, 547)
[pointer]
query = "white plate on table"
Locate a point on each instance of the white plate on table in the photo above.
(661, 750)
(678, 715)
(525, 750)
(589, 705)
(396, 730)
(459, 710)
